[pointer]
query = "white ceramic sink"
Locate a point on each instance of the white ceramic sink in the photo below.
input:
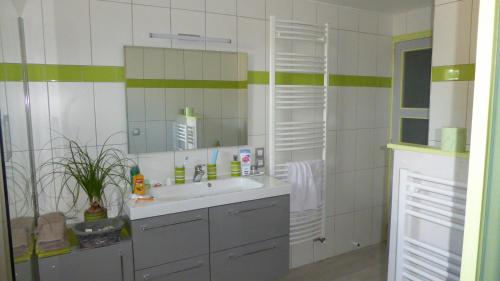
(205, 188)
(206, 194)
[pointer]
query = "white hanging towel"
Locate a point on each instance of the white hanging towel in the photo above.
(306, 179)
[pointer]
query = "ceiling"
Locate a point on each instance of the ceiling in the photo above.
(388, 6)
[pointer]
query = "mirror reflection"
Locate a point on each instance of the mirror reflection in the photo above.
(185, 99)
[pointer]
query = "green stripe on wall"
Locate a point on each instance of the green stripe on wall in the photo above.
(412, 36)
(360, 81)
(460, 72)
(86, 73)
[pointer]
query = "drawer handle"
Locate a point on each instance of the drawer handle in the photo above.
(233, 256)
(146, 227)
(148, 276)
(242, 211)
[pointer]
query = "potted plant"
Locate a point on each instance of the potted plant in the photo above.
(92, 174)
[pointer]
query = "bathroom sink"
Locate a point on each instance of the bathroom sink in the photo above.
(198, 195)
(205, 188)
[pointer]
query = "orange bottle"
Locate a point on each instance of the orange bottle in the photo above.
(139, 186)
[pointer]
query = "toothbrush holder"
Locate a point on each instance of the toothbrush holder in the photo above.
(180, 175)
(235, 169)
(211, 171)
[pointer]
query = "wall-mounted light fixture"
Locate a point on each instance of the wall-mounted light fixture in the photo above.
(189, 37)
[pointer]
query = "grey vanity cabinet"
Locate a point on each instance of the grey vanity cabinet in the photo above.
(245, 241)
(262, 261)
(163, 239)
(247, 222)
(194, 269)
(110, 263)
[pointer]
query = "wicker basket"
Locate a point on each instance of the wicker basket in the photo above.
(104, 232)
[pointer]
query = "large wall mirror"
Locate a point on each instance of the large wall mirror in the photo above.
(185, 99)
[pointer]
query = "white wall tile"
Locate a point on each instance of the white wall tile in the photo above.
(382, 107)
(304, 11)
(251, 35)
(39, 115)
(330, 194)
(17, 117)
(474, 27)
(10, 32)
(384, 56)
(195, 5)
(346, 151)
(367, 54)
(451, 34)
(379, 147)
(331, 146)
(33, 31)
(363, 183)
(147, 20)
(364, 149)
(331, 121)
(301, 254)
(333, 46)
(399, 24)
(344, 193)
(157, 3)
(110, 101)
(346, 108)
(343, 233)
(227, 7)
(256, 109)
(252, 9)
(281, 9)
(158, 166)
(33, 28)
(348, 52)
(111, 29)
(419, 20)
(348, 18)
(368, 21)
(379, 186)
(378, 225)
(448, 107)
(188, 22)
(328, 13)
(72, 112)
(363, 227)
(385, 24)
(67, 31)
(365, 109)
(221, 26)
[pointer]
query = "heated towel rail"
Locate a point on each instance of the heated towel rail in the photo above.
(431, 216)
(297, 112)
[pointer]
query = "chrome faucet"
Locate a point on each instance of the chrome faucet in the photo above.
(198, 173)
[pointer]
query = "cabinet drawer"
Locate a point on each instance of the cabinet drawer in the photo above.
(110, 263)
(194, 269)
(262, 261)
(247, 222)
(164, 239)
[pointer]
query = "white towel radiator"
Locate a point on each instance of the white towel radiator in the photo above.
(297, 113)
(431, 216)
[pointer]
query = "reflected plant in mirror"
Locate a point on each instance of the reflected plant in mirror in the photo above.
(185, 99)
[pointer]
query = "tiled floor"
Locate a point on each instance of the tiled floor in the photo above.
(367, 264)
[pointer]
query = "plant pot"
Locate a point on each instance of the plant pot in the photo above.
(98, 233)
(95, 214)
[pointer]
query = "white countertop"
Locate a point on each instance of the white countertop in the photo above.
(164, 206)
